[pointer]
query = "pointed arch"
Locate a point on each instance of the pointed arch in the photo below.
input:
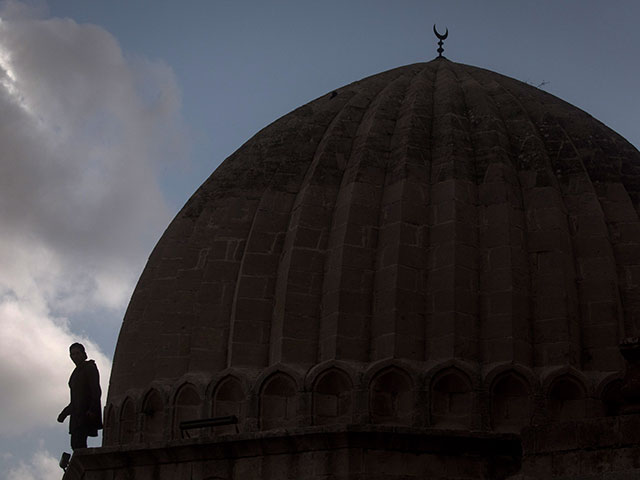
(187, 406)
(567, 399)
(510, 402)
(332, 397)
(451, 399)
(127, 422)
(109, 432)
(391, 397)
(228, 399)
(153, 416)
(278, 402)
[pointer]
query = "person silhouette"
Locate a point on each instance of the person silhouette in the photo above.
(85, 408)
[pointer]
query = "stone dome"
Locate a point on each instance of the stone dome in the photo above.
(437, 246)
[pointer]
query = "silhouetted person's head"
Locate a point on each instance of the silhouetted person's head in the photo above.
(77, 353)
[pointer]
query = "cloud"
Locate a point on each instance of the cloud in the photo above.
(35, 367)
(85, 132)
(42, 466)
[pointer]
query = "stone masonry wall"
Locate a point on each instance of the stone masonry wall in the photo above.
(312, 454)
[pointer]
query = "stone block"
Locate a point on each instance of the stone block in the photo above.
(627, 254)
(249, 331)
(358, 257)
(565, 465)
(364, 214)
(408, 234)
(556, 353)
(248, 467)
(261, 242)
(499, 280)
(443, 191)
(598, 336)
(302, 304)
(347, 348)
(500, 257)
(252, 309)
(594, 246)
(410, 346)
(542, 197)
(494, 193)
(595, 461)
(597, 290)
(441, 255)
(383, 346)
(248, 354)
(629, 232)
(602, 268)
(606, 357)
(599, 313)
(552, 284)
(548, 240)
(546, 219)
(601, 432)
(557, 437)
(619, 212)
(629, 430)
(550, 307)
(409, 278)
(497, 326)
(252, 287)
(413, 256)
(495, 235)
(217, 271)
(298, 351)
(260, 264)
(315, 216)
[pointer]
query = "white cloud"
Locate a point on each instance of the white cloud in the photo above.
(35, 367)
(41, 466)
(84, 132)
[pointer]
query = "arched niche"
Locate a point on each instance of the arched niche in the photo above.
(152, 417)
(566, 399)
(451, 400)
(127, 422)
(391, 397)
(228, 399)
(332, 398)
(188, 405)
(510, 403)
(278, 402)
(109, 426)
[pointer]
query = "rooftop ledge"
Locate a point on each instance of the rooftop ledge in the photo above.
(274, 442)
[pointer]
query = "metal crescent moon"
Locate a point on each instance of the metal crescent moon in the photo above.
(440, 36)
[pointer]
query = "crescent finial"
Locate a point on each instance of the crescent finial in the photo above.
(441, 37)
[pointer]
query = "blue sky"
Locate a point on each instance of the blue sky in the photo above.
(114, 112)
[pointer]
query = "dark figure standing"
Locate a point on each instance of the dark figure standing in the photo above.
(85, 409)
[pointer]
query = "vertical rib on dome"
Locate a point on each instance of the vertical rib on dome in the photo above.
(398, 324)
(504, 287)
(350, 267)
(296, 327)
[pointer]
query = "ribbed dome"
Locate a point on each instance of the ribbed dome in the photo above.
(431, 218)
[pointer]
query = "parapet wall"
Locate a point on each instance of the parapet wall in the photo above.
(592, 449)
(316, 453)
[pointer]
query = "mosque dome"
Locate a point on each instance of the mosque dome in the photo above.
(436, 246)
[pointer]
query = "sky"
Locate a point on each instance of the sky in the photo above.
(114, 112)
